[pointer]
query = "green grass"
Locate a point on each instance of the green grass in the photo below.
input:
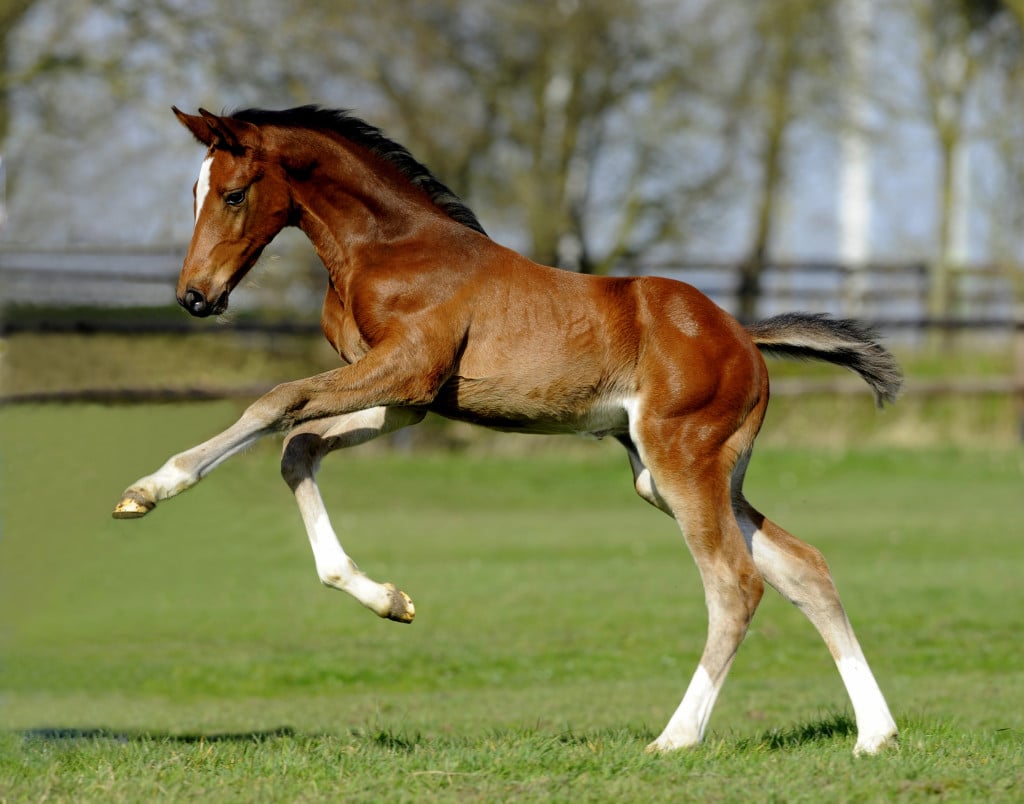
(193, 654)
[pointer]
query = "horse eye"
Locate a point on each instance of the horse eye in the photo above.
(235, 198)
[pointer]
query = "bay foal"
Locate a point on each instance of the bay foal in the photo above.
(428, 314)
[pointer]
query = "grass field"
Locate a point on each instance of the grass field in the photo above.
(193, 654)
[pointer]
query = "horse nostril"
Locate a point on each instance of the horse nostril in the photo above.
(195, 302)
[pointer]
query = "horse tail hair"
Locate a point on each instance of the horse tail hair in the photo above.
(842, 341)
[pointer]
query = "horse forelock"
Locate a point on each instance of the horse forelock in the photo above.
(343, 123)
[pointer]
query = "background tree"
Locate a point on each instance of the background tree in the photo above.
(948, 69)
(521, 105)
(594, 135)
(962, 42)
(517, 106)
(790, 60)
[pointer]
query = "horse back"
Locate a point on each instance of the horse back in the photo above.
(553, 351)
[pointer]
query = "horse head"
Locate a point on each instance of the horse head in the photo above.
(242, 201)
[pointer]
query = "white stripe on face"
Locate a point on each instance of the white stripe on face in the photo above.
(203, 185)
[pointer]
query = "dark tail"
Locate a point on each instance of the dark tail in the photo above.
(807, 336)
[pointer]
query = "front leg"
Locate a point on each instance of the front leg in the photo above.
(392, 374)
(303, 449)
(182, 471)
(185, 469)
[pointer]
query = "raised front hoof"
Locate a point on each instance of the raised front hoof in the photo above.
(876, 744)
(132, 506)
(402, 610)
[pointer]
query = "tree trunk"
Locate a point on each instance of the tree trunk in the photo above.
(940, 283)
(779, 115)
(748, 291)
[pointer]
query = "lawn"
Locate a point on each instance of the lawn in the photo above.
(194, 654)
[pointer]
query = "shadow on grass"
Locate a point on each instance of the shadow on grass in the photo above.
(836, 726)
(839, 725)
(381, 738)
(58, 735)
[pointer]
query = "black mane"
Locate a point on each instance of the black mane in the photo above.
(341, 122)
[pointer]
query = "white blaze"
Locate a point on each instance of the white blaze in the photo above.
(203, 185)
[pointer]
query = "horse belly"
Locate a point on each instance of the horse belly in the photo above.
(523, 408)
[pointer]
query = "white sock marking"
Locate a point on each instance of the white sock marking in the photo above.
(687, 725)
(874, 722)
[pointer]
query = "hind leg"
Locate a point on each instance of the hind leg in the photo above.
(799, 572)
(303, 449)
(691, 483)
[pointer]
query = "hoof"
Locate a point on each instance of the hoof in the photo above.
(663, 746)
(132, 506)
(876, 745)
(402, 610)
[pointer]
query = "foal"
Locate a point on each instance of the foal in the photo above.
(428, 314)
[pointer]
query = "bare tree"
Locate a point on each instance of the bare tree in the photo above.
(789, 62)
(959, 40)
(1006, 132)
(591, 127)
(539, 108)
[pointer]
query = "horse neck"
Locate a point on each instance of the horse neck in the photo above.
(352, 206)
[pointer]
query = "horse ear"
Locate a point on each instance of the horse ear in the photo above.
(228, 132)
(197, 125)
(216, 132)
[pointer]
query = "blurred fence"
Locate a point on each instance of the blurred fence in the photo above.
(89, 277)
(893, 294)
(77, 291)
